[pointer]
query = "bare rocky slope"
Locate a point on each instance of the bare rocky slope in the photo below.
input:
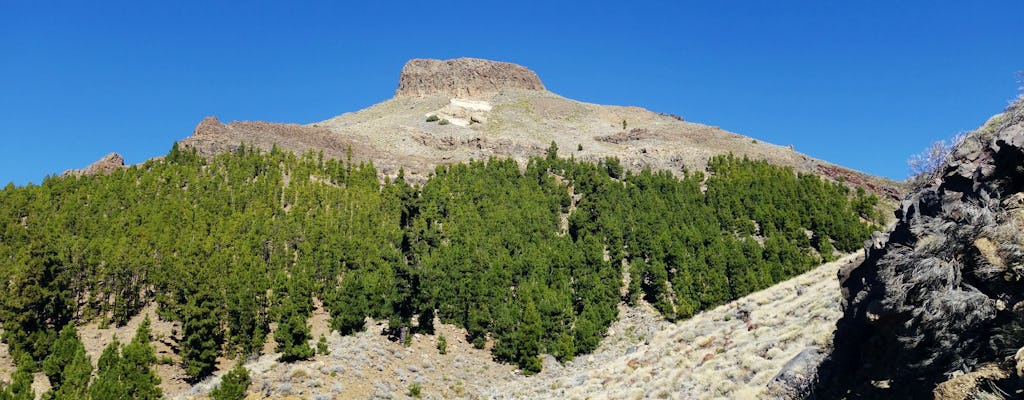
(486, 108)
(937, 308)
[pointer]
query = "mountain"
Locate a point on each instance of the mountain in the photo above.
(936, 307)
(494, 109)
(524, 232)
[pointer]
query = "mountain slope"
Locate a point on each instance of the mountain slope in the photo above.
(501, 109)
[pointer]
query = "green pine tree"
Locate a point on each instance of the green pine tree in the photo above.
(108, 383)
(202, 334)
(75, 377)
(233, 384)
(139, 378)
(292, 336)
(20, 387)
(62, 353)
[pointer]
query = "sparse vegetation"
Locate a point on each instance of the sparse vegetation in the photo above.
(433, 118)
(925, 165)
(442, 344)
(443, 122)
(415, 390)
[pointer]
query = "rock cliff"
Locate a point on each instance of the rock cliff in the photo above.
(936, 310)
(464, 78)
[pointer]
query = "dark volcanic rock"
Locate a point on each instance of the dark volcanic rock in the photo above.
(795, 379)
(942, 296)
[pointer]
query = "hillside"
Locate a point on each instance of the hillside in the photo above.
(240, 250)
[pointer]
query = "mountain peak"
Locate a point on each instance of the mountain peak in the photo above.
(463, 77)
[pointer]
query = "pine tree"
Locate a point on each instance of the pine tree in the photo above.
(68, 367)
(35, 302)
(108, 383)
(293, 333)
(75, 377)
(139, 378)
(20, 387)
(202, 335)
(62, 353)
(233, 384)
(528, 338)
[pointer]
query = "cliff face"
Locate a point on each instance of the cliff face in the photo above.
(463, 77)
(937, 307)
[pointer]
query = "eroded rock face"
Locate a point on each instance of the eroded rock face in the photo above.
(109, 163)
(941, 295)
(463, 77)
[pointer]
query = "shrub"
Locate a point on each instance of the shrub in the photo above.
(442, 344)
(415, 390)
(433, 118)
(925, 165)
(321, 346)
(443, 122)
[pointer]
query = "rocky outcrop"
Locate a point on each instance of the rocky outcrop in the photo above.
(109, 163)
(463, 77)
(936, 310)
(212, 137)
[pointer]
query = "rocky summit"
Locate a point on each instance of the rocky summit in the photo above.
(936, 310)
(464, 77)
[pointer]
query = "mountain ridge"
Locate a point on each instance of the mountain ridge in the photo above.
(457, 110)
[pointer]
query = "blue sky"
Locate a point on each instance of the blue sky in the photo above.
(860, 83)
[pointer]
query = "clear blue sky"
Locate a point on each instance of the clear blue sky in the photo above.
(860, 83)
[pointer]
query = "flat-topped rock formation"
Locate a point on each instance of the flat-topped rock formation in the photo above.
(463, 77)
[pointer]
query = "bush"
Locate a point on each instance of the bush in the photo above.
(433, 118)
(442, 344)
(415, 390)
(443, 122)
(321, 346)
